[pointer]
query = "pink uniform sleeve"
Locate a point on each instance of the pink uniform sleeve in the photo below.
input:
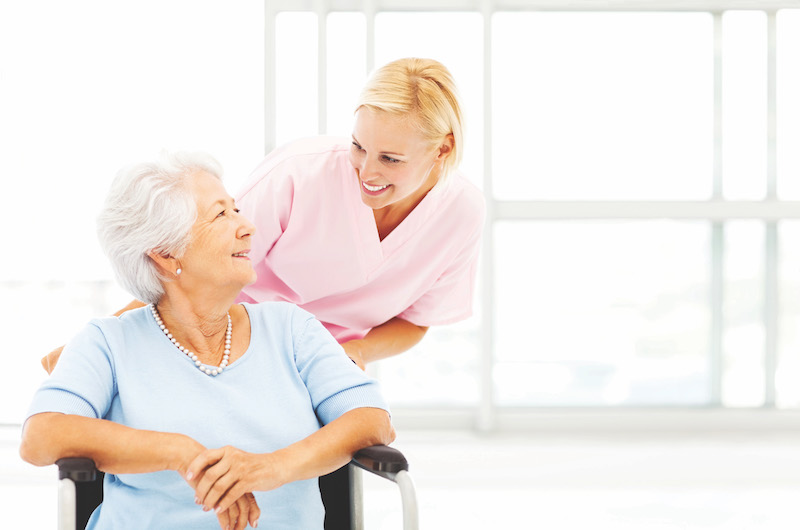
(450, 298)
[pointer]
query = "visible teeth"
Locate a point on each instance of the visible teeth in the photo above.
(241, 254)
(374, 188)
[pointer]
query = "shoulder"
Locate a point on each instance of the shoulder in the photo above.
(313, 146)
(464, 200)
(116, 331)
(277, 313)
(301, 159)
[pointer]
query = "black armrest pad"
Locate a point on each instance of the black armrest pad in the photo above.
(77, 469)
(381, 460)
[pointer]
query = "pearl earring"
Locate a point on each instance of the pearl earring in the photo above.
(178, 272)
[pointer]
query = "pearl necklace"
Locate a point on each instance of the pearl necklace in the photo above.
(208, 370)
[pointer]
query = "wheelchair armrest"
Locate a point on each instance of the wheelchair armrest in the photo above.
(381, 460)
(77, 469)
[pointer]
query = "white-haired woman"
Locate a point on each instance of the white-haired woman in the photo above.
(194, 403)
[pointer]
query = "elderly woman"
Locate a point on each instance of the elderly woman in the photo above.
(194, 399)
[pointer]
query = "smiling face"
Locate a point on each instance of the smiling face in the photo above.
(220, 239)
(395, 164)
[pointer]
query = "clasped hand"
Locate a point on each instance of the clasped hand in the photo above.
(223, 480)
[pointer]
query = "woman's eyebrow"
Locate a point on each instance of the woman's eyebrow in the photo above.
(216, 204)
(382, 152)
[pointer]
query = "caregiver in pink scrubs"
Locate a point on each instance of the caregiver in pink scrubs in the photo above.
(376, 235)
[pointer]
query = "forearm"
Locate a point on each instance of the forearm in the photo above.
(333, 445)
(114, 448)
(388, 339)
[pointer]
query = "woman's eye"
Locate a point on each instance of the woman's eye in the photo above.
(220, 214)
(390, 159)
(358, 147)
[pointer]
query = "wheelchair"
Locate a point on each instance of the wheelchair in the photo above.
(80, 490)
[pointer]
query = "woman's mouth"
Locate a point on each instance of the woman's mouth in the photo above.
(373, 190)
(242, 254)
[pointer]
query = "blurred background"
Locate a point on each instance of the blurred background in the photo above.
(634, 357)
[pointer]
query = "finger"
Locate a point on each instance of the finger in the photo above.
(202, 461)
(227, 497)
(242, 506)
(221, 496)
(254, 512)
(234, 514)
(210, 476)
(224, 520)
(213, 485)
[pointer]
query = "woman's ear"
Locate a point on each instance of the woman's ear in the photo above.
(166, 263)
(446, 147)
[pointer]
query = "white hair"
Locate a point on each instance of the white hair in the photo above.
(150, 209)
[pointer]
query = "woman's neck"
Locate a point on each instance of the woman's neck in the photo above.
(199, 326)
(390, 216)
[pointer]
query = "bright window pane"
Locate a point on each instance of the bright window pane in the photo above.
(455, 40)
(347, 69)
(788, 370)
(788, 36)
(602, 313)
(450, 379)
(602, 105)
(744, 104)
(297, 110)
(743, 337)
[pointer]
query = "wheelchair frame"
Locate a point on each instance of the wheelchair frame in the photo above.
(387, 462)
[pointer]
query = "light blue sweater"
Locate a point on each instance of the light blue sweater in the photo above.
(293, 378)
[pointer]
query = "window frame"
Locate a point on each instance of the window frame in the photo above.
(716, 210)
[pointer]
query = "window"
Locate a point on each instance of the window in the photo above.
(81, 96)
(640, 245)
(634, 181)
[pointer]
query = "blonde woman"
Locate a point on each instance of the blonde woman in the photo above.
(377, 235)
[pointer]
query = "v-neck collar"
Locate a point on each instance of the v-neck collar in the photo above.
(376, 251)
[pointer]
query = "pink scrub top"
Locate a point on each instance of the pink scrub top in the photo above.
(316, 243)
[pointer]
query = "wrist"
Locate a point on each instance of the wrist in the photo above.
(284, 465)
(181, 451)
(355, 350)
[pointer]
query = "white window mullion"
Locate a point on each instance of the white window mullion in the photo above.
(486, 411)
(369, 13)
(270, 125)
(771, 309)
(321, 9)
(717, 230)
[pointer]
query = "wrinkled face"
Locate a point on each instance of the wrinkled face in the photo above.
(220, 239)
(395, 164)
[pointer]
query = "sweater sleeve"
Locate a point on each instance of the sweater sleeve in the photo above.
(336, 385)
(83, 381)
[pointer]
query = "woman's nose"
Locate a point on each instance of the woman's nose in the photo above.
(367, 169)
(246, 228)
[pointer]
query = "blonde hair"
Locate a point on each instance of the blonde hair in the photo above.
(423, 92)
